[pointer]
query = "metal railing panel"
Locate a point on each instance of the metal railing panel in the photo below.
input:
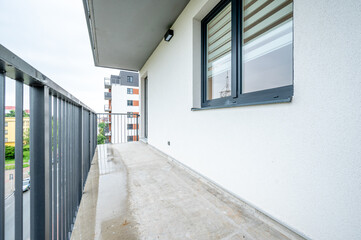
(117, 127)
(62, 144)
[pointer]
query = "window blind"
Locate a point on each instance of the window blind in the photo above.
(219, 42)
(261, 16)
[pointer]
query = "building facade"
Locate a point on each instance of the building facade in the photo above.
(261, 97)
(122, 96)
(10, 130)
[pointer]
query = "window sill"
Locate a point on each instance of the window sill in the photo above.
(243, 104)
(276, 95)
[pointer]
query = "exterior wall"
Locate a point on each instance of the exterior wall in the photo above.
(10, 129)
(299, 162)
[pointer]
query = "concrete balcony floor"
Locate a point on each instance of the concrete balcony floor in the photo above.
(135, 192)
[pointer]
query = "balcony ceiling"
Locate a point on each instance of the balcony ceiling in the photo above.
(124, 33)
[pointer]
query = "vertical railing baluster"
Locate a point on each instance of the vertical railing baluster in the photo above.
(50, 167)
(19, 89)
(63, 123)
(39, 128)
(137, 127)
(66, 151)
(73, 167)
(81, 158)
(60, 153)
(68, 172)
(55, 166)
(2, 155)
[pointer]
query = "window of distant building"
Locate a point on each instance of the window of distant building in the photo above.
(130, 79)
(130, 90)
(130, 114)
(247, 53)
(130, 102)
(130, 138)
(130, 126)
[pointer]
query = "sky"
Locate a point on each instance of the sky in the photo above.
(52, 36)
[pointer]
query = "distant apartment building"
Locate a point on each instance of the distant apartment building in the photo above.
(10, 124)
(122, 96)
(10, 129)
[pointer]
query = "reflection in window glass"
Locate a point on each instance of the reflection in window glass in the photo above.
(219, 45)
(267, 44)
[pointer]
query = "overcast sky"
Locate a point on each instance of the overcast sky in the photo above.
(52, 36)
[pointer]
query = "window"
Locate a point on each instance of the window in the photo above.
(247, 53)
(130, 138)
(6, 124)
(130, 102)
(130, 79)
(130, 114)
(6, 140)
(130, 90)
(130, 126)
(6, 132)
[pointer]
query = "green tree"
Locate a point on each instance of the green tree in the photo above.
(26, 136)
(12, 114)
(101, 137)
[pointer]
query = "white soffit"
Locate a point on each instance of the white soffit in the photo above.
(124, 33)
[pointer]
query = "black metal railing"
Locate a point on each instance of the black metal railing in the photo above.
(62, 143)
(117, 127)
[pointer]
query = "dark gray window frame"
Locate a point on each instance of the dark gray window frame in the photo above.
(237, 98)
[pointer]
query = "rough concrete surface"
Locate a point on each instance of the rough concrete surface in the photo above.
(134, 192)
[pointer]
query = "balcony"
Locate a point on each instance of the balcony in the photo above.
(136, 192)
(107, 83)
(107, 108)
(107, 95)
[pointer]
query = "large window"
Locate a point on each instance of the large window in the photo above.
(247, 53)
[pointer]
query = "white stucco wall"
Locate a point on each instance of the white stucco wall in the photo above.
(299, 162)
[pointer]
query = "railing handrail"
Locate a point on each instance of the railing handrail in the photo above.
(105, 113)
(16, 68)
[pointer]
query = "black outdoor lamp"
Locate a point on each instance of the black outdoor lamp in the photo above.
(168, 35)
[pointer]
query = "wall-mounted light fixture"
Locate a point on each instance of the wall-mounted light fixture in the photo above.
(168, 35)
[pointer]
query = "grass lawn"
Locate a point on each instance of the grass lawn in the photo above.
(10, 167)
(26, 157)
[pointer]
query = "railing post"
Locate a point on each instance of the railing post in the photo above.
(2, 155)
(137, 127)
(55, 167)
(60, 152)
(19, 89)
(39, 155)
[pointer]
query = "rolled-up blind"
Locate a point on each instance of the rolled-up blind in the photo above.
(261, 16)
(219, 42)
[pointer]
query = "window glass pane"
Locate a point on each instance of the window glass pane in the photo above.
(267, 44)
(219, 35)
